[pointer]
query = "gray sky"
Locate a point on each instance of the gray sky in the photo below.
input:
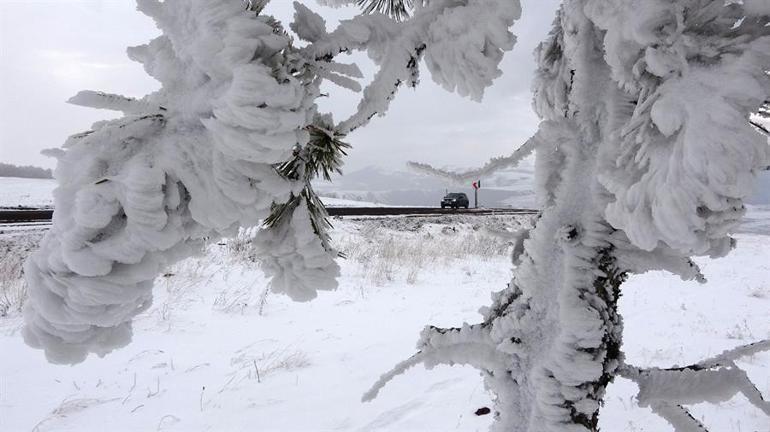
(51, 49)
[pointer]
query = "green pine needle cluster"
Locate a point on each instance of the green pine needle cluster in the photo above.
(397, 9)
(322, 155)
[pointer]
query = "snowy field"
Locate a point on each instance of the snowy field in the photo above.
(215, 353)
(25, 192)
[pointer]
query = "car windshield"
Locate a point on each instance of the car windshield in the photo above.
(455, 195)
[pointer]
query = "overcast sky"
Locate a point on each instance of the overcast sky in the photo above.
(51, 49)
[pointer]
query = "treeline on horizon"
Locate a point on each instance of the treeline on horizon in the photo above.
(10, 170)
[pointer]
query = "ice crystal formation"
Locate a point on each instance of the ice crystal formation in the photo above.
(643, 159)
(220, 146)
(232, 139)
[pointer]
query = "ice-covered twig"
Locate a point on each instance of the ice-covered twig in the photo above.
(469, 345)
(662, 258)
(127, 105)
(360, 33)
(492, 166)
(678, 417)
(472, 353)
(713, 380)
(397, 370)
(731, 355)
(692, 385)
(398, 48)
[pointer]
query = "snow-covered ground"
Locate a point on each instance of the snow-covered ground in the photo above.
(195, 356)
(15, 192)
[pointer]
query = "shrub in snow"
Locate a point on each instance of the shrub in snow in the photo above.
(233, 137)
(422, 246)
(14, 251)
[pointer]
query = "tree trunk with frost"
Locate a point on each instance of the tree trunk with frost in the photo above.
(550, 344)
(643, 159)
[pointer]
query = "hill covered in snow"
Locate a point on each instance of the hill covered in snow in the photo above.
(511, 188)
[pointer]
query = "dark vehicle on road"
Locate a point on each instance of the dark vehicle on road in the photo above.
(455, 200)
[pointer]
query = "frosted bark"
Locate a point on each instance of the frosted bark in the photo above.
(645, 156)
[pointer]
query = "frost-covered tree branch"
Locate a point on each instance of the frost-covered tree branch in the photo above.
(492, 166)
(462, 44)
(233, 138)
(714, 380)
(113, 102)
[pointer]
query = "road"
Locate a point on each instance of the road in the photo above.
(420, 211)
(26, 217)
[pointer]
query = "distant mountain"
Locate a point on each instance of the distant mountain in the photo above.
(404, 187)
(374, 178)
(9, 170)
